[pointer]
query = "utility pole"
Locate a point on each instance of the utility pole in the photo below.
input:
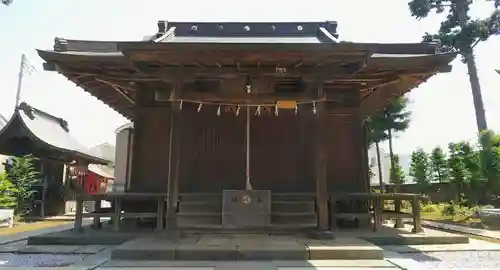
(20, 80)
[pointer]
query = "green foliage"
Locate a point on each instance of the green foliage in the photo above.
(490, 159)
(8, 192)
(394, 117)
(458, 171)
(472, 163)
(24, 175)
(397, 174)
(431, 208)
(419, 169)
(458, 30)
(439, 167)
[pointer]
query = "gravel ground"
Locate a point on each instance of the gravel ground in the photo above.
(457, 259)
(38, 260)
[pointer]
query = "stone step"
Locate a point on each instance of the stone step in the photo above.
(293, 207)
(210, 248)
(301, 197)
(293, 218)
(211, 207)
(190, 220)
(201, 197)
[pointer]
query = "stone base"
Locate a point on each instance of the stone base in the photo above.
(246, 248)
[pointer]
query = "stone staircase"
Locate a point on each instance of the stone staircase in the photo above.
(288, 211)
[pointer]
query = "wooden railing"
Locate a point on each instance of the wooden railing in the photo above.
(115, 212)
(375, 202)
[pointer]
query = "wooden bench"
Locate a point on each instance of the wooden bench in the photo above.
(115, 212)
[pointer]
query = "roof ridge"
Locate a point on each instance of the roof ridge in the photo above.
(28, 110)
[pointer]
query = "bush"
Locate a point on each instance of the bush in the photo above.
(431, 208)
(8, 193)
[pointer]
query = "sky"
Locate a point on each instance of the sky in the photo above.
(442, 109)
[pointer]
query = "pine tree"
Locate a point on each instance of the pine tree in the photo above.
(462, 33)
(419, 169)
(440, 172)
(397, 173)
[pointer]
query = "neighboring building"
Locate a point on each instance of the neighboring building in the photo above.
(46, 137)
(124, 139)
(302, 94)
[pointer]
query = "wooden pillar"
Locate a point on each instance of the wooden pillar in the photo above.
(321, 181)
(80, 168)
(174, 163)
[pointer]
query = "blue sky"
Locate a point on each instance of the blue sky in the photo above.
(442, 107)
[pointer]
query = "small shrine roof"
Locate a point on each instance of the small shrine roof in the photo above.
(32, 131)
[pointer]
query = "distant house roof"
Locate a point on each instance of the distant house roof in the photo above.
(32, 131)
(104, 150)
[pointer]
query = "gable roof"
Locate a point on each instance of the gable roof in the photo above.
(33, 131)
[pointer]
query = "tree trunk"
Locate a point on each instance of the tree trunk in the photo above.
(468, 54)
(397, 203)
(476, 91)
(391, 155)
(379, 165)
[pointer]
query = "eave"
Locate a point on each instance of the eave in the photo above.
(114, 71)
(42, 135)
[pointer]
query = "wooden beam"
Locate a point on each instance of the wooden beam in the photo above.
(118, 89)
(325, 72)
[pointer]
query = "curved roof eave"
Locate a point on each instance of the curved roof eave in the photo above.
(50, 55)
(77, 152)
(32, 135)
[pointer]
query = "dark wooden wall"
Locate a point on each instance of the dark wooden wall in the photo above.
(212, 150)
(212, 155)
(150, 161)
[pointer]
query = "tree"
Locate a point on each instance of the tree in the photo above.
(419, 169)
(474, 177)
(458, 171)
(490, 160)
(25, 177)
(397, 174)
(375, 134)
(7, 2)
(8, 192)
(396, 118)
(462, 33)
(380, 126)
(439, 167)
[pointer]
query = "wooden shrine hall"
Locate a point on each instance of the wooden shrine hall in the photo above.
(31, 131)
(251, 125)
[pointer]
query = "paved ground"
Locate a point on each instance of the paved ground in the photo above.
(475, 255)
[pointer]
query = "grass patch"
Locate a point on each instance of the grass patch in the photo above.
(20, 226)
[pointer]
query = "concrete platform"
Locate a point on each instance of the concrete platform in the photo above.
(254, 265)
(262, 247)
(386, 236)
(391, 236)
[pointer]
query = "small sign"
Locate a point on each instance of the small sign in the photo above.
(286, 104)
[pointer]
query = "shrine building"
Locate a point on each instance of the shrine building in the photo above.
(232, 114)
